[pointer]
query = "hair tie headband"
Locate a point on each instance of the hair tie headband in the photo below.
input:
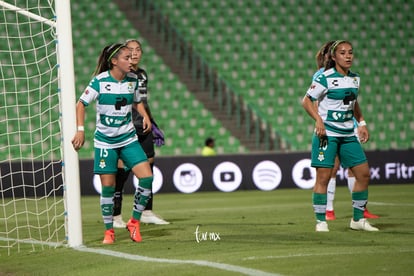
(333, 47)
(115, 51)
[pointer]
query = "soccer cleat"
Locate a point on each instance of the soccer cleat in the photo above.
(148, 216)
(330, 215)
(321, 226)
(133, 228)
(368, 214)
(109, 237)
(362, 224)
(118, 222)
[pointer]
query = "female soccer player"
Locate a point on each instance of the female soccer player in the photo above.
(322, 57)
(146, 139)
(116, 92)
(336, 91)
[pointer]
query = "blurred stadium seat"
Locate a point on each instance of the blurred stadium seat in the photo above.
(278, 41)
(171, 103)
(265, 51)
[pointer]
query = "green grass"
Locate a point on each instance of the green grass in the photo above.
(271, 232)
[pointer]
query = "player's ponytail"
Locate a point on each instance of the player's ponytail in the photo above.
(323, 51)
(105, 58)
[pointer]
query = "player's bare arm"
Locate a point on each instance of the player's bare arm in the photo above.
(311, 109)
(79, 138)
(146, 121)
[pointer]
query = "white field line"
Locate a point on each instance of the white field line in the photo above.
(29, 241)
(227, 267)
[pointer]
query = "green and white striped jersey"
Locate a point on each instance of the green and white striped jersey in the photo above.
(114, 98)
(336, 95)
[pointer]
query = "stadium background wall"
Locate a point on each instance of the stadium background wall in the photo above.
(188, 174)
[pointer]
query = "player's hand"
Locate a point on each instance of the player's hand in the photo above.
(320, 130)
(146, 125)
(363, 134)
(78, 140)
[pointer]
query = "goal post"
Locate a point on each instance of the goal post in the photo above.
(68, 95)
(39, 169)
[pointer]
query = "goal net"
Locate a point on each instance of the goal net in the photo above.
(33, 202)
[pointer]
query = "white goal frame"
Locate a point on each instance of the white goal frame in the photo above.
(66, 83)
(68, 95)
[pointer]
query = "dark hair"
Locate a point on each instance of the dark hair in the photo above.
(105, 58)
(320, 55)
(209, 141)
(330, 63)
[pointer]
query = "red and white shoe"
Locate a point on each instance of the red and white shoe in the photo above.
(133, 228)
(330, 215)
(369, 215)
(109, 237)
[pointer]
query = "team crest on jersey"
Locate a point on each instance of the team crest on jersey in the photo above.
(312, 87)
(102, 163)
(321, 156)
(355, 81)
(130, 87)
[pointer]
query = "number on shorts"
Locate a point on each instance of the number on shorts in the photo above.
(103, 153)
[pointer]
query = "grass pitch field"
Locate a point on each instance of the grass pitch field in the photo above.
(239, 233)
